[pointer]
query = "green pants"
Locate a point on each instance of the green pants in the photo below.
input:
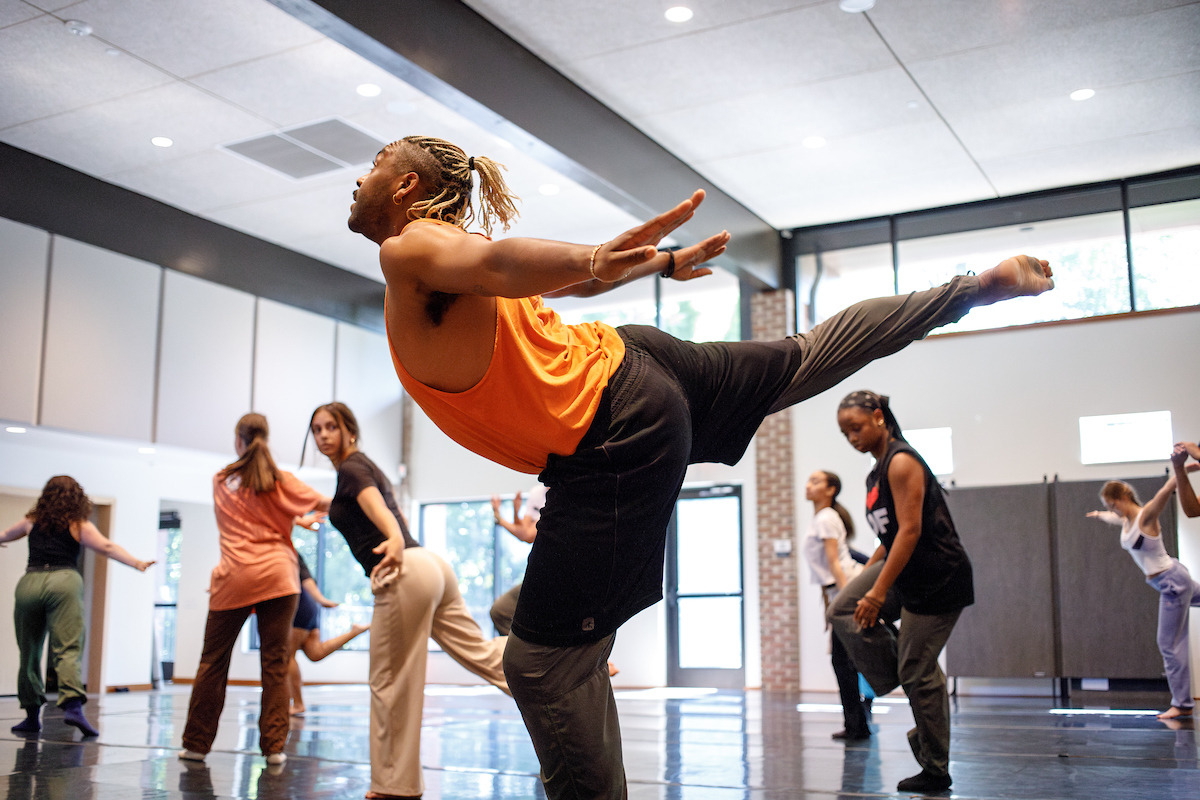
(49, 602)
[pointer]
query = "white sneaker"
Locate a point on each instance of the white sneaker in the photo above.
(189, 755)
(277, 758)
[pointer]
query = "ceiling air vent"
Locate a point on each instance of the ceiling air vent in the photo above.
(312, 149)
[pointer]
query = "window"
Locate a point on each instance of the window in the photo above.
(842, 278)
(1166, 254)
(166, 593)
(341, 579)
(486, 558)
(935, 446)
(1086, 253)
(704, 310)
(1117, 438)
(632, 303)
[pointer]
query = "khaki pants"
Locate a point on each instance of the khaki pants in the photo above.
(423, 602)
(49, 603)
(208, 693)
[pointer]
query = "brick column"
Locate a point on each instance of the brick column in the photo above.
(777, 576)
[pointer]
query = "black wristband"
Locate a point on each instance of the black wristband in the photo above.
(670, 270)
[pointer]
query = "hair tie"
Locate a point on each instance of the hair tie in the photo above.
(471, 163)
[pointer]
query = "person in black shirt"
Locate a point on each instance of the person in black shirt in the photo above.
(920, 556)
(49, 598)
(416, 597)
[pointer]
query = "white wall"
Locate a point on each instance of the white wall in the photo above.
(1013, 400)
(23, 258)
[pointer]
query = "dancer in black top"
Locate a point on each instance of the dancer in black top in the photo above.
(923, 558)
(416, 598)
(49, 598)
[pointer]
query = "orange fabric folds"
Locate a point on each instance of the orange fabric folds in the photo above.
(539, 394)
(258, 560)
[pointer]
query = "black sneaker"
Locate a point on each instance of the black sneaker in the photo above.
(851, 736)
(924, 782)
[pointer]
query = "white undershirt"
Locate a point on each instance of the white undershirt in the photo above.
(828, 525)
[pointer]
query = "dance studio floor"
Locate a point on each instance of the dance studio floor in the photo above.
(685, 744)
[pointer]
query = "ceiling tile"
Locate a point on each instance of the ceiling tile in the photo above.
(194, 37)
(1042, 124)
(923, 29)
(781, 117)
(14, 11)
(306, 83)
(48, 71)
(1055, 63)
(1096, 161)
(802, 46)
(115, 136)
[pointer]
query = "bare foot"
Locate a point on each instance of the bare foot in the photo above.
(378, 796)
(298, 710)
(612, 669)
(1175, 711)
(1019, 276)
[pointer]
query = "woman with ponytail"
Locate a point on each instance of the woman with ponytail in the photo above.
(49, 599)
(922, 558)
(609, 418)
(832, 566)
(256, 505)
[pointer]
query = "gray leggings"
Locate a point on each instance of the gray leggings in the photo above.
(1177, 594)
(909, 659)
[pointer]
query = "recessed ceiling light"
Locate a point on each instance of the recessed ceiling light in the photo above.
(368, 90)
(112, 51)
(548, 188)
(813, 142)
(161, 141)
(15, 429)
(856, 6)
(1083, 94)
(912, 105)
(78, 27)
(146, 451)
(678, 14)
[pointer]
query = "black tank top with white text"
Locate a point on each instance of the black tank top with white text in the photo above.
(52, 547)
(937, 578)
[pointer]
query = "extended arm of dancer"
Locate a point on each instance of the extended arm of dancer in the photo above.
(370, 500)
(91, 538)
(1148, 517)
(1187, 494)
(522, 527)
(907, 480)
(441, 258)
(16, 531)
(835, 564)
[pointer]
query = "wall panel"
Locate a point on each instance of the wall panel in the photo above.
(293, 372)
(23, 252)
(206, 363)
(101, 342)
(1006, 531)
(366, 381)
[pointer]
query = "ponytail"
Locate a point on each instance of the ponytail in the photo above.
(870, 401)
(256, 468)
(831, 479)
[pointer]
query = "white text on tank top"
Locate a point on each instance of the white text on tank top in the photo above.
(1148, 552)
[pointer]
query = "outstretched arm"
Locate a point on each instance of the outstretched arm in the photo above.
(442, 258)
(91, 538)
(1148, 517)
(1187, 495)
(17, 531)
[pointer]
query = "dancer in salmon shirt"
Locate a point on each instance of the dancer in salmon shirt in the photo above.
(256, 504)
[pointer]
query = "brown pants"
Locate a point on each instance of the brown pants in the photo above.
(208, 693)
(423, 602)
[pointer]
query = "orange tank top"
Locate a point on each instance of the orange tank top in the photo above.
(540, 391)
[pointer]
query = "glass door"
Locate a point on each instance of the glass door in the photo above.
(705, 636)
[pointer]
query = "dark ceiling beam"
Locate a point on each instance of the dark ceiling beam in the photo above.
(63, 201)
(451, 53)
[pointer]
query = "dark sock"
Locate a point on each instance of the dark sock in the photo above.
(73, 716)
(31, 723)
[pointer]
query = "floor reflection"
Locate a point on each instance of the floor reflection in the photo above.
(678, 746)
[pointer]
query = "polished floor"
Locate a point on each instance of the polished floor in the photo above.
(679, 745)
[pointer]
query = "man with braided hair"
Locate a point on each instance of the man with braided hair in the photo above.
(608, 418)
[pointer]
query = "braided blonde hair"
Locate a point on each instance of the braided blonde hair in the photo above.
(445, 170)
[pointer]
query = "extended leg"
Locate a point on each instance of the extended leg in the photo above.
(461, 637)
(568, 706)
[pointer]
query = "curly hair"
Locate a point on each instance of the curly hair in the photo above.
(62, 502)
(445, 170)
